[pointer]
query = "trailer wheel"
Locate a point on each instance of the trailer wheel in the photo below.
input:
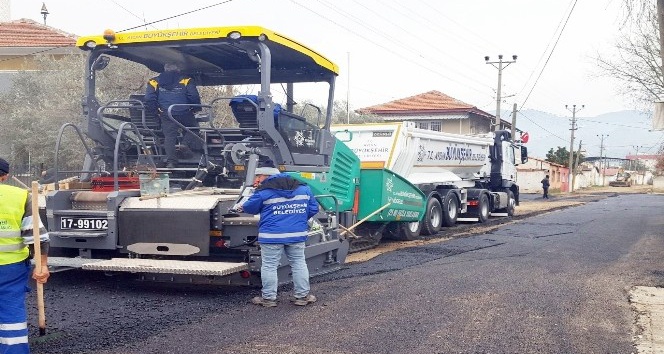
(450, 209)
(432, 221)
(483, 209)
(409, 231)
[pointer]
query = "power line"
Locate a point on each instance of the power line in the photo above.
(550, 54)
(176, 16)
(124, 30)
(560, 24)
(131, 13)
(541, 127)
(380, 33)
(616, 124)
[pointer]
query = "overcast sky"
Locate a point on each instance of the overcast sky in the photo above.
(395, 49)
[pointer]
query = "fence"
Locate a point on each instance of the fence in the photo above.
(24, 173)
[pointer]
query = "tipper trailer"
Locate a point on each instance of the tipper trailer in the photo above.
(132, 213)
(463, 177)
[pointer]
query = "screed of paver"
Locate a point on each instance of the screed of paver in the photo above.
(648, 302)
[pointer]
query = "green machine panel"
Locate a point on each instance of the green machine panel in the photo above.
(340, 181)
(378, 187)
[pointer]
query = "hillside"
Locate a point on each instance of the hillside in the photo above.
(623, 131)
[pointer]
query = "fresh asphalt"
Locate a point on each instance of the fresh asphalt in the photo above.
(553, 283)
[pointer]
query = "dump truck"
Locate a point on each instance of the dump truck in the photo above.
(622, 179)
(463, 177)
(132, 213)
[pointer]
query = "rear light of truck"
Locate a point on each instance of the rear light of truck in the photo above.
(473, 202)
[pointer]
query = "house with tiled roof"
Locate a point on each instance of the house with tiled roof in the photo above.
(434, 110)
(21, 40)
(530, 174)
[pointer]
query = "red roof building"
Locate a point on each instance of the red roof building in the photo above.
(436, 111)
(21, 40)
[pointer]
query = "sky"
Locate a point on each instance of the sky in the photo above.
(392, 49)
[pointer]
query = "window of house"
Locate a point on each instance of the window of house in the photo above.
(423, 125)
(436, 126)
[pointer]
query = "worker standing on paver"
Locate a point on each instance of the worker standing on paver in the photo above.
(16, 238)
(285, 205)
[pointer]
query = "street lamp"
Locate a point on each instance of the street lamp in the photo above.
(44, 12)
(501, 65)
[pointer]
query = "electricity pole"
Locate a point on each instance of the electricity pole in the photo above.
(571, 144)
(637, 163)
(501, 65)
(636, 157)
(348, 91)
(576, 163)
(601, 150)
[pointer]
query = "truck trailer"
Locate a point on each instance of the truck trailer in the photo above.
(132, 212)
(463, 177)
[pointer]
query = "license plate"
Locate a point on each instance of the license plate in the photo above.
(83, 224)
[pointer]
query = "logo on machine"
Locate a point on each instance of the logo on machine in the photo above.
(451, 153)
(382, 134)
(421, 152)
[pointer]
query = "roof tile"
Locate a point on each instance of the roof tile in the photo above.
(28, 33)
(432, 100)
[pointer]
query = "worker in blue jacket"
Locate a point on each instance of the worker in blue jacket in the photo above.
(169, 88)
(285, 206)
(16, 239)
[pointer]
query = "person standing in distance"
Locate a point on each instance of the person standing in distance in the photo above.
(545, 187)
(169, 88)
(16, 239)
(285, 205)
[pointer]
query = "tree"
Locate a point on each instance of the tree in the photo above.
(35, 107)
(637, 60)
(343, 114)
(561, 156)
(40, 101)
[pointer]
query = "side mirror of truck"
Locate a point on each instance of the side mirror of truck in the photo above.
(524, 154)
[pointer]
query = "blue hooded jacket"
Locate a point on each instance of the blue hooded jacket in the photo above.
(169, 88)
(284, 205)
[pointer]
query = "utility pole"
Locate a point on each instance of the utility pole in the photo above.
(636, 156)
(571, 144)
(501, 65)
(637, 163)
(513, 122)
(601, 150)
(576, 163)
(348, 91)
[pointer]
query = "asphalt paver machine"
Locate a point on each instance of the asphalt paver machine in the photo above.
(131, 213)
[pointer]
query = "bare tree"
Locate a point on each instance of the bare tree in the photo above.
(637, 60)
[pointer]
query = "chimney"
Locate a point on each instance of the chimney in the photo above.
(4, 11)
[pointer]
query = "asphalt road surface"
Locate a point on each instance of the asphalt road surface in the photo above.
(553, 283)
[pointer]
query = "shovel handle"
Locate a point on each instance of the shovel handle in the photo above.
(37, 248)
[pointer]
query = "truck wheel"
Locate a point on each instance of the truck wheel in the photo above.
(450, 209)
(432, 221)
(483, 209)
(511, 202)
(409, 231)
